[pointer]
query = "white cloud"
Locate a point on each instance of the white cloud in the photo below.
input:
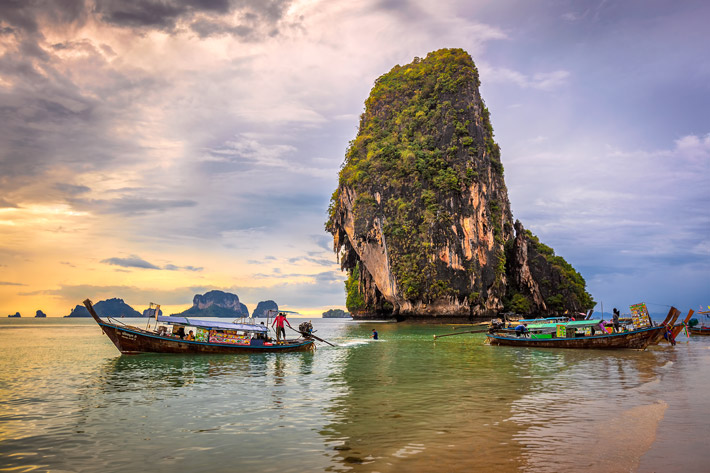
(546, 81)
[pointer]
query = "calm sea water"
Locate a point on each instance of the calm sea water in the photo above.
(70, 402)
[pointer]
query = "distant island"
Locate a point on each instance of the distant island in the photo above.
(216, 304)
(224, 304)
(39, 314)
(336, 314)
(263, 309)
(108, 308)
(151, 313)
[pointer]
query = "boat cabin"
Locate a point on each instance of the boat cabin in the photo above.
(209, 331)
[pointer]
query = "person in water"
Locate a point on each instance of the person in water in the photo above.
(374, 334)
(280, 329)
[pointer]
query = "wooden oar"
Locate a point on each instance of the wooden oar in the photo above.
(459, 333)
(313, 336)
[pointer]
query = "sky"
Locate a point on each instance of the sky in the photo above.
(157, 149)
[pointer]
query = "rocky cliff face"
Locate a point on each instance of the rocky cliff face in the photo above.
(421, 219)
(216, 304)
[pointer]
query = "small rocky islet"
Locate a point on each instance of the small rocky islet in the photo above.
(421, 218)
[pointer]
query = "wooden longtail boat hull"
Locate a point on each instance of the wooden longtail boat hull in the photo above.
(702, 330)
(133, 340)
(699, 330)
(638, 339)
(670, 319)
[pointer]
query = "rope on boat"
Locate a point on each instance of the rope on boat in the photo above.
(660, 305)
(111, 319)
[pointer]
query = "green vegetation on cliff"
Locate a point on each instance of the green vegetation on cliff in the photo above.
(354, 300)
(571, 283)
(561, 286)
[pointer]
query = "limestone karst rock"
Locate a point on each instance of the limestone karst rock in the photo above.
(421, 219)
(335, 314)
(263, 308)
(216, 304)
(150, 312)
(115, 307)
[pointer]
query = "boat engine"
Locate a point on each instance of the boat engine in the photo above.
(306, 329)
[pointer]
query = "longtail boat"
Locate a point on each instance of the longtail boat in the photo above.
(212, 338)
(703, 329)
(579, 334)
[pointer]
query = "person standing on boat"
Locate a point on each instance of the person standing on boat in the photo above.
(280, 329)
(615, 319)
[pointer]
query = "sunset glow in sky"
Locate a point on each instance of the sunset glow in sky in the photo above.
(152, 150)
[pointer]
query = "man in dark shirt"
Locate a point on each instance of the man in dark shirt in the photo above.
(374, 334)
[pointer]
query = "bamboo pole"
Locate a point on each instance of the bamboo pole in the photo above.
(459, 333)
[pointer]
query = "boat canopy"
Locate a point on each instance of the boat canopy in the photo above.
(542, 320)
(210, 324)
(575, 324)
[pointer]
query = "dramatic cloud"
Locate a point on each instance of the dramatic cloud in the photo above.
(172, 267)
(138, 262)
(131, 205)
(131, 262)
(246, 19)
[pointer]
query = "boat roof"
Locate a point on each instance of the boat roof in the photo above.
(576, 324)
(542, 319)
(211, 324)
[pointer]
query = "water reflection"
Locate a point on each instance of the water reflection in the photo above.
(595, 401)
(138, 373)
(408, 402)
